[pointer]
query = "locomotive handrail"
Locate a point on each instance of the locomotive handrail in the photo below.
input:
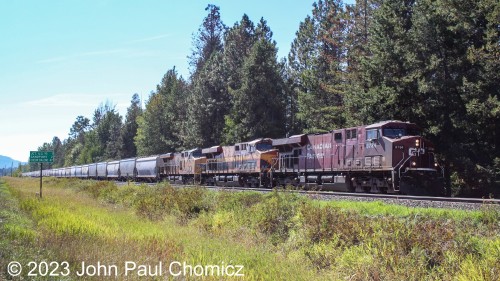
(399, 169)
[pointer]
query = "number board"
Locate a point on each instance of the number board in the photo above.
(41, 156)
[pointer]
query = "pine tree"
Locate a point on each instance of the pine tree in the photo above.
(77, 131)
(108, 134)
(160, 126)
(151, 125)
(129, 130)
(208, 40)
(458, 84)
(208, 101)
(259, 104)
(75, 143)
(360, 19)
(92, 151)
(173, 90)
(238, 40)
(317, 63)
(58, 148)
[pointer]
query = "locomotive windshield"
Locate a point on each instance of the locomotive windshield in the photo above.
(264, 146)
(395, 133)
(197, 153)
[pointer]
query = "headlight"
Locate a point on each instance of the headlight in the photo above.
(417, 142)
(414, 163)
(435, 164)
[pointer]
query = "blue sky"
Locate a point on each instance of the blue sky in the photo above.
(60, 59)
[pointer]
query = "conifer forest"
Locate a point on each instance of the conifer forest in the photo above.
(435, 63)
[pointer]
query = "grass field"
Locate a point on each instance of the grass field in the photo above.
(277, 236)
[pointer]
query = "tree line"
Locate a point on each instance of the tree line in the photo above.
(432, 62)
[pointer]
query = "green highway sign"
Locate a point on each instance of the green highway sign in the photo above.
(41, 156)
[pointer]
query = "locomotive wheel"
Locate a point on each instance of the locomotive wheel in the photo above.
(348, 182)
(243, 182)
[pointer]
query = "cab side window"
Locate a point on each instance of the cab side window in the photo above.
(338, 136)
(371, 134)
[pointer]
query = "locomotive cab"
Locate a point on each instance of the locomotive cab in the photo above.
(261, 150)
(191, 165)
(398, 145)
(399, 148)
(414, 167)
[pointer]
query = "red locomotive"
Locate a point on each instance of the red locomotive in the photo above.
(386, 157)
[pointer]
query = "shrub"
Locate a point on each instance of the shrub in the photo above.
(96, 188)
(127, 195)
(490, 214)
(324, 223)
(154, 202)
(324, 254)
(109, 193)
(192, 200)
(273, 216)
(231, 201)
(318, 223)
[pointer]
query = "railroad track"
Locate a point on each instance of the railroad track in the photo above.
(407, 200)
(403, 200)
(392, 198)
(375, 196)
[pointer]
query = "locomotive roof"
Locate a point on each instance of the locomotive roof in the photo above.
(254, 141)
(191, 150)
(169, 155)
(295, 139)
(213, 149)
(386, 122)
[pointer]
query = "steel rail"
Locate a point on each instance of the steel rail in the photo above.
(362, 195)
(345, 194)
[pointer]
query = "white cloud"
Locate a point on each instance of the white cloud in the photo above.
(84, 54)
(62, 100)
(73, 100)
(152, 38)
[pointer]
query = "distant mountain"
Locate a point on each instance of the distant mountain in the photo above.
(6, 162)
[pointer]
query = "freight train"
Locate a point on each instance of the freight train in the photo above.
(385, 157)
